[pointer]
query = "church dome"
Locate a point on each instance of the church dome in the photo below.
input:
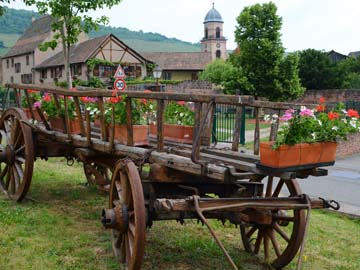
(213, 16)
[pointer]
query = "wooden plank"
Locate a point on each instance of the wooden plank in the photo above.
(160, 125)
(29, 104)
(236, 136)
(102, 119)
(132, 152)
(274, 128)
(58, 107)
(184, 164)
(129, 128)
(67, 119)
(232, 155)
(17, 101)
(257, 132)
(43, 119)
(88, 128)
(112, 130)
(79, 115)
(197, 132)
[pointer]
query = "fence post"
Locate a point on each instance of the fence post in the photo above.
(213, 133)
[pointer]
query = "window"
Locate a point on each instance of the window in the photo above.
(17, 67)
(206, 33)
(26, 78)
(7, 63)
(56, 72)
(27, 60)
(12, 79)
(103, 71)
(43, 74)
(167, 75)
(217, 32)
(218, 54)
(194, 76)
(12, 62)
(76, 69)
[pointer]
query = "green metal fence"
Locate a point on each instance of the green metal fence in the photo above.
(7, 98)
(224, 124)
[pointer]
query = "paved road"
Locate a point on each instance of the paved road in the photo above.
(342, 184)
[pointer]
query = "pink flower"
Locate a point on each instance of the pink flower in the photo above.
(306, 112)
(288, 115)
(37, 104)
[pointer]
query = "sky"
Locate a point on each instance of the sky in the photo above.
(318, 24)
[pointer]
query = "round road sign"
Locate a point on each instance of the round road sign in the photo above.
(119, 84)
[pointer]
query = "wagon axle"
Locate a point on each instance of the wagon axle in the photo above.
(116, 218)
(7, 154)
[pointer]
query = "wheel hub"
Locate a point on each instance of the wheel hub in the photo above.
(116, 218)
(7, 155)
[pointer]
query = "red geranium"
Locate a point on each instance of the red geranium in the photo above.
(322, 100)
(352, 113)
(320, 108)
(47, 98)
(182, 103)
(333, 115)
(31, 91)
(115, 99)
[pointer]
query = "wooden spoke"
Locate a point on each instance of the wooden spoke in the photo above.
(281, 232)
(258, 242)
(126, 193)
(274, 243)
(17, 145)
(266, 246)
(98, 174)
(278, 188)
(278, 256)
(269, 186)
(251, 232)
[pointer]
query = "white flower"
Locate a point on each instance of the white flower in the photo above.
(266, 117)
(335, 128)
(344, 120)
(353, 123)
(275, 116)
(320, 123)
(151, 106)
(179, 122)
(313, 135)
(344, 111)
(302, 108)
(181, 114)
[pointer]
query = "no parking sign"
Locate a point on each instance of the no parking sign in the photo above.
(119, 84)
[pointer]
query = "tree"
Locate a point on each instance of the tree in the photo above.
(69, 20)
(316, 70)
(261, 56)
(2, 9)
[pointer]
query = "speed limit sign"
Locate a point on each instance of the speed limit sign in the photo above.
(119, 84)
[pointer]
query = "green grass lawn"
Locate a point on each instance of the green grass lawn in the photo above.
(59, 228)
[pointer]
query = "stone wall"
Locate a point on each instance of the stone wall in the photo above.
(333, 95)
(189, 87)
(349, 147)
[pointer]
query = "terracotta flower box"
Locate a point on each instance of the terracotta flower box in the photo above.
(57, 125)
(28, 114)
(296, 155)
(140, 134)
(177, 133)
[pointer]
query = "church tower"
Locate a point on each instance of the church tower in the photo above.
(213, 40)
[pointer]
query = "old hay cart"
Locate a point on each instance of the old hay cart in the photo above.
(161, 179)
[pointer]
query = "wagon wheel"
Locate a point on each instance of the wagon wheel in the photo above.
(99, 175)
(284, 233)
(16, 154)
(127, 203)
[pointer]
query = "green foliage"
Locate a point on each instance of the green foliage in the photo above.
(61, 84)
(118, 104)
(309, 126)
(316, 70)
(95, 82)
(49, 107)
(93, 62)
(179, 113)
(222, 73)
(150, 81)
(262, 67)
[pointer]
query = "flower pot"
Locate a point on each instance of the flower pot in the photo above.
(57, 125)
(28, 114)
(140, 134)
(177, 133)
(328, 153)
(296, 155)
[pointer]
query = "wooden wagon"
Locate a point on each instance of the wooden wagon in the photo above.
(164, 180)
